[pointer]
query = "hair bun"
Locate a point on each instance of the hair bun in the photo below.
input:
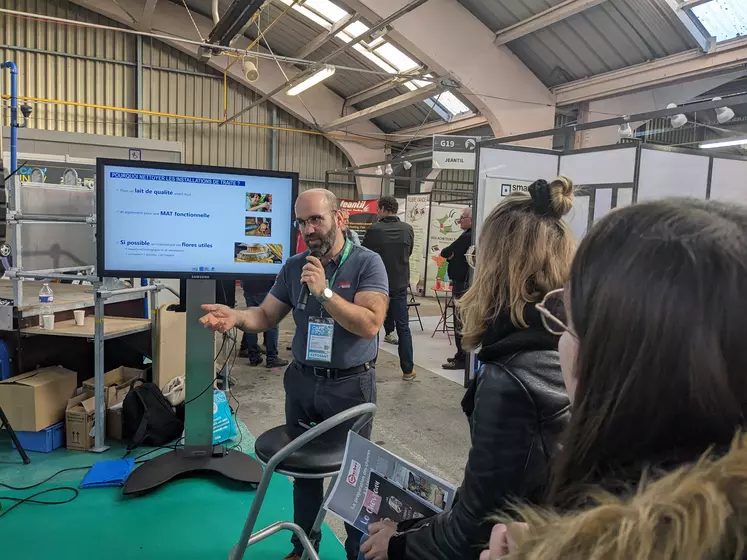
(541, 199)
(561, 196)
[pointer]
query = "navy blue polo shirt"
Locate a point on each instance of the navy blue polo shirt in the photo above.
(362, 271)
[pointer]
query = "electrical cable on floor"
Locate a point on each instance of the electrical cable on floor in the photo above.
(138, 459)
(31, 500)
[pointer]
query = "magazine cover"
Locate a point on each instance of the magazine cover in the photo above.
(375, 484)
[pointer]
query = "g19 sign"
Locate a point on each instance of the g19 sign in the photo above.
(454, 152)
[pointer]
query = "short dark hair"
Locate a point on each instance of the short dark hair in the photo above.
(656, 298)
(388, 204)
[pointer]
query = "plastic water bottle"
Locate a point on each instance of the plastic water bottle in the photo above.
(46, 299)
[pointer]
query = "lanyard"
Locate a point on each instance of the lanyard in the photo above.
(345, 254)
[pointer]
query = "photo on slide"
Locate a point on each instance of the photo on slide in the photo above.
(258, 202)
(257, 253)
(257, 227)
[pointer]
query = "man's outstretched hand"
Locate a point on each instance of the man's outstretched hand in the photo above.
(220, 318)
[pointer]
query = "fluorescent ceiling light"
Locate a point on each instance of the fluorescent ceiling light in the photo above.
(312, 80)
(724, 144)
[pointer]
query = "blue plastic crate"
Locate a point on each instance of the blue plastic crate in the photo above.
(45, 440)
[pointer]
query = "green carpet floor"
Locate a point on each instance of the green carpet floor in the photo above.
(185, 519)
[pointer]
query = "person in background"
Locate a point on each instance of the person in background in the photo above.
(520, 407)
(652, 348)
(256, 289)
(459, 275)
(349, 233)
(347, 290)
(393, 240)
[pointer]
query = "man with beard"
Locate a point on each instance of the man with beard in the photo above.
(335, 344)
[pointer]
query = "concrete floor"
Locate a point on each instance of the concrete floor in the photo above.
(421, 421)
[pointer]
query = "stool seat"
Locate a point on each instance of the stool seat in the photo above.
(321, 455)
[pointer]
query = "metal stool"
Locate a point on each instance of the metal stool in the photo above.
(305, 454)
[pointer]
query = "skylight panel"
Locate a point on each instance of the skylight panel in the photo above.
(375, 59)
(452, 104)
(724, 19)
(396, 57)
(356, 28)
(329, 10)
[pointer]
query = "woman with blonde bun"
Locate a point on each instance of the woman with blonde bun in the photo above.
(517, 405)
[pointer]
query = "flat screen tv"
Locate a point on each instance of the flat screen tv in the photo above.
(168, 220)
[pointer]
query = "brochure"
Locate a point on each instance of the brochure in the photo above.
(375, 484)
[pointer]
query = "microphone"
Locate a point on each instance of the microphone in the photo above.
(303, 297)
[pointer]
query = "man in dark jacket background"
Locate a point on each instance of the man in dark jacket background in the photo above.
(459, 275)
(393, 239)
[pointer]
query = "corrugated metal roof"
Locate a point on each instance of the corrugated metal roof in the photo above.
(293, 31)
(612, 35)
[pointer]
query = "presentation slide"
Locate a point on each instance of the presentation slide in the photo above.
(190, 222)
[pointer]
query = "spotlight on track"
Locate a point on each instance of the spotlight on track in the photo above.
(251, 73)
(625, 131)
(407, 165)
(679, 120)
(723, 114)
(379, 170)
(388, 170)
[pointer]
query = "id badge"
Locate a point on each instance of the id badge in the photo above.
(319, 339)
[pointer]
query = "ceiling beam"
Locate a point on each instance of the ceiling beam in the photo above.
(682, 67)
(543, 19)
(456, 125)
(238, 14)
(385, 107)
(688, 4)
(374, 90)
(325, 37)
(146, 19)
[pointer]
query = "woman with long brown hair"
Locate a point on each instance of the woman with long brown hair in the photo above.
(653, 354)
(520, 405)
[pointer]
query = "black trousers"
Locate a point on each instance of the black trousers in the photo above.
(311, 399)
(458, 290)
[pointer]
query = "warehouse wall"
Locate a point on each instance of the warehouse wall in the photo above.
(83, 65)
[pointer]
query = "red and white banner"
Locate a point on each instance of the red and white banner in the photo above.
(361, 215)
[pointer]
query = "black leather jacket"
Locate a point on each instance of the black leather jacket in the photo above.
(520, 410)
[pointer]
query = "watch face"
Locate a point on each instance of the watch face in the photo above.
(327, 293)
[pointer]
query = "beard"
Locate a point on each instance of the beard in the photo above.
(319, 244)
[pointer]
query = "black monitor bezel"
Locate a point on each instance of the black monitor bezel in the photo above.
(102, 163)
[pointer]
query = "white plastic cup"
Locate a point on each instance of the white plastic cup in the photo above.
(48, 322)
(80, 317)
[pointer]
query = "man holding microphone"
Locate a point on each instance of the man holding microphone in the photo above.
(338, 293)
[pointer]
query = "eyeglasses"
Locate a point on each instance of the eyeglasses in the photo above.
(552, 312)
(313, 221)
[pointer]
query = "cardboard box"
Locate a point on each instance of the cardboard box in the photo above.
(36, 400)
(116, 384)
(171, 346)
(79, 422)
(114, 422)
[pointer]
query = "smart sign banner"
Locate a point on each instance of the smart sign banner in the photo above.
(454, 152)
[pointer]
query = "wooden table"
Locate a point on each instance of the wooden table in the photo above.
(446, 305)
(113, 327)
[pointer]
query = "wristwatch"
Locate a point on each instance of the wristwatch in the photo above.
(325, 296)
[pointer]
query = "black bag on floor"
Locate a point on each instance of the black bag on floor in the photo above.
(148, 418)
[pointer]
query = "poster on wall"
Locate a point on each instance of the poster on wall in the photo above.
(417, 209)
(361, 215)
(443, 231)
(497, 188)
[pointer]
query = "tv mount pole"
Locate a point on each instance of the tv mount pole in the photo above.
(198, 454)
